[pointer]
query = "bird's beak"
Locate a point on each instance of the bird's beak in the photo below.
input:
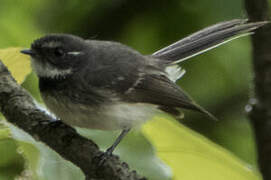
(28, 52)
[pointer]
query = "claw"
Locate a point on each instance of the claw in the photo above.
(109, 151)
(103, 157)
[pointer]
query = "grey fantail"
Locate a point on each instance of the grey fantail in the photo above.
(109, 86)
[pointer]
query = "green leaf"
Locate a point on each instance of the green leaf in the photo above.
(11, 162)
(17, 63)
(28, 148)
(20, 156)
(186, 152)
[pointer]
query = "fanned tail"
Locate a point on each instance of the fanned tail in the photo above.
(200, 42)
(207, 39)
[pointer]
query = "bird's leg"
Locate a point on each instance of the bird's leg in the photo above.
(110, 150)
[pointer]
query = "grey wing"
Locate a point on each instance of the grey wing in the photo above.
(159, 90)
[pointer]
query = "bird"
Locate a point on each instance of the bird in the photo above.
(109, 86)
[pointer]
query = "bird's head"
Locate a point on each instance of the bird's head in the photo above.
(56, 55)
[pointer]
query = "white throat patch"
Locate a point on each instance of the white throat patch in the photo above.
(48, 71)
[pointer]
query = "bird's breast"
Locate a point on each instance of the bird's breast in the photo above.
(106, 116)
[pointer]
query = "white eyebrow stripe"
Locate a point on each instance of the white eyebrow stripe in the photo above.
(75, 53)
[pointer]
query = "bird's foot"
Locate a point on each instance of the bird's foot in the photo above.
(104, 156)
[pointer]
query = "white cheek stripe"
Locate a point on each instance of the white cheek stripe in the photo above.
(47, 70)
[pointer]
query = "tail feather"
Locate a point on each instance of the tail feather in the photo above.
(204, 111)
(206, 39)
(202, 33)
(200, 42)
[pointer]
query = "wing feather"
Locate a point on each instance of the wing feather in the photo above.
(159, 90)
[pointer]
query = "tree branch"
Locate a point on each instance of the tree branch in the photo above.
(260, 115)
(19, 108)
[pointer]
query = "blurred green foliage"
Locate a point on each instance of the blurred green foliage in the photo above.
(11, 162)
(218, 80)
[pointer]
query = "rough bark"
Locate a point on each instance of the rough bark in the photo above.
(19, 108)
(260, 104)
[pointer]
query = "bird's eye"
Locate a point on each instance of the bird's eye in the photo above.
(59, 52)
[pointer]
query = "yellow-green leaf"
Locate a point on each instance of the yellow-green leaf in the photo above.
(17, 63)
(192, 156)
